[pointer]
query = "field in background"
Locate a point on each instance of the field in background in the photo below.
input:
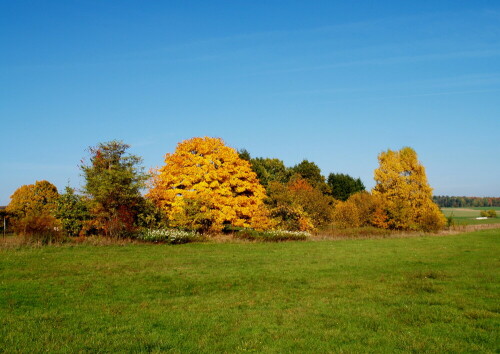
(467, 216)
(434, 293)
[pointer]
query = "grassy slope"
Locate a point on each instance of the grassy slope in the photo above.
(429, 293)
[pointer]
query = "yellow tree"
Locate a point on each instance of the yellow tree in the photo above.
(402, 184)
(205, 185)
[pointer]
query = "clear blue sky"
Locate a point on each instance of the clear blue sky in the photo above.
(335, 82)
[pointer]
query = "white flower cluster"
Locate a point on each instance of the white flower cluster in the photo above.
(167, 235)
(289, 233)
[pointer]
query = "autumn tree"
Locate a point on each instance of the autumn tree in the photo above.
(287, 212)
(359, 210)
(113, 181)
(343, 186)
(32, 208)
(205, 185)
(401, 182)
(298, 205)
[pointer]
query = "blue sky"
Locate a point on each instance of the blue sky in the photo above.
(335, 82)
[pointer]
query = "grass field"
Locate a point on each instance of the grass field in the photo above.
(410, 294)
(467, 216)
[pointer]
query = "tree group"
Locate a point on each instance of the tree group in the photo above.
(207, 186)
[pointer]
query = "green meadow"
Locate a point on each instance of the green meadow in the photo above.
(468, 215)
(431, 293)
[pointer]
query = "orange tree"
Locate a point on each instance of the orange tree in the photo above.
(297, 205)
(32, 207)
(205, 185)
(401, 183)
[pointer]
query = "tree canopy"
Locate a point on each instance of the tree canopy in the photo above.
(343, 186)
(312, 173)
(402, 184)
(32, 207)
(205, 185)
(38, 198)
(113, 181)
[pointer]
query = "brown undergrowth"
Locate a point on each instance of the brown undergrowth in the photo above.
(14, 241)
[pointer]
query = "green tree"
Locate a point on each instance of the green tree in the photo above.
(72, 211)
(113, 184)
(312, 173)
(267, 169)
(270, 170)
(343, 186)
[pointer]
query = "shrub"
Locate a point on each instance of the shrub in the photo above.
(346, 215)
(431, 221)
(361, 209)
(449, 221)
(171, 236)
(489, 213)
(44, 229)
(271, 236)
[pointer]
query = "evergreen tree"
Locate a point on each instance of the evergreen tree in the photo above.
(343, 186)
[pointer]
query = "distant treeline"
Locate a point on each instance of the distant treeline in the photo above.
(445, 201)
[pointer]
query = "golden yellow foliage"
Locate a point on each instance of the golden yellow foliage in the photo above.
(346, 215)
(205, 185)
(360, 209)
(407, 197)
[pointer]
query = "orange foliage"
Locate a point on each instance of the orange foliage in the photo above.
(299, 206)
(32, 207)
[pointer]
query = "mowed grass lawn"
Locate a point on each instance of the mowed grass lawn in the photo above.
(409, 294)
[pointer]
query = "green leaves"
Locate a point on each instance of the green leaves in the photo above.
(343, 185)
(113, 184)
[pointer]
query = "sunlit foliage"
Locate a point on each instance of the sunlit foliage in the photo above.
(360, 210)
(297, 205)
(401, 182)
(32, 208)
(205, 185)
